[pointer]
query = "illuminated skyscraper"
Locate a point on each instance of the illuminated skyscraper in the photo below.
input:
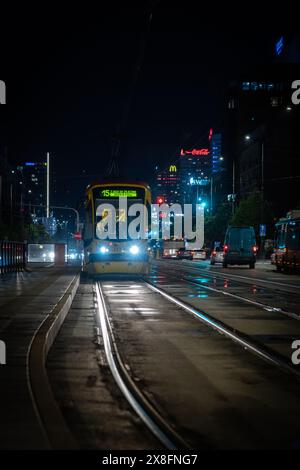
(194, 171)
(168, 185)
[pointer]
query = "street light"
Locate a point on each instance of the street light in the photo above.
(247, 137)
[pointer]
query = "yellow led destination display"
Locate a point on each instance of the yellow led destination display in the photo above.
(111, 193)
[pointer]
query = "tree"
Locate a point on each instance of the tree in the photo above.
(36, 233)
(215, 225)
(252, 211)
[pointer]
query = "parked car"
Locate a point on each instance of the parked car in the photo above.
(240, 246)
(199, 254)
(182, 253)
(217, 255)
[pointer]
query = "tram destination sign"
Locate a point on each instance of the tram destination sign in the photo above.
(115, 193)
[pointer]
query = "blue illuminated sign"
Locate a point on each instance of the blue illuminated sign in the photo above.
(29, 164)
(279, 46)
(199, 182)
(262, 230)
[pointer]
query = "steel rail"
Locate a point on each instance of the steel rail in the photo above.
(140, 404)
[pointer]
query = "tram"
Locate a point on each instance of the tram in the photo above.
(115, 251)
(287, 244)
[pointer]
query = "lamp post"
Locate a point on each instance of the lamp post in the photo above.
(262, 189)
(48, 186)
(233, 187)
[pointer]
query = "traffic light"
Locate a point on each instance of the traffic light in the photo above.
(160, 200)
(77, 235)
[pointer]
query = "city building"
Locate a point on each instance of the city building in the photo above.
(195, 173)
(218, 171)
(168, 185)
(33, 178)
(261, 144)
(216, 152)
(195, 177)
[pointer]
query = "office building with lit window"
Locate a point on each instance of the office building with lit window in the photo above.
(168, 185)
(195, 173)
(261, 145)
(32, 176)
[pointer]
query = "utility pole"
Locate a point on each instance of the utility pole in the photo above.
(262, 189)
(233, 187)
(0, 199)
(48, 184)
(11, 206)
(262, 176)
(211, 195)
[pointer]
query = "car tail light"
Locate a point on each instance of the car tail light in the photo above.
(254, 249)
(226, 247)
(214, 253)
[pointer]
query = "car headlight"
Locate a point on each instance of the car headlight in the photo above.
(134, 250)
(103, 249)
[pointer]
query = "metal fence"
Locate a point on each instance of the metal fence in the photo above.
(12, 257)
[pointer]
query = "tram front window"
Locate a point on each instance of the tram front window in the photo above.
(120, 215)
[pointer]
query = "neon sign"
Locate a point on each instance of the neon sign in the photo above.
(199, 182)
(210, 134)
(173, 168)
(279, 46)
(194, 152)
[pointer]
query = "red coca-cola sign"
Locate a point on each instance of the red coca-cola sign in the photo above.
(203, 151)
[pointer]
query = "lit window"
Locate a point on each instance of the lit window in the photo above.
(231, 103)
(254, 86)
(274, 101)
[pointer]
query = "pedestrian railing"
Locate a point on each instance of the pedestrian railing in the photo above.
(12, 256)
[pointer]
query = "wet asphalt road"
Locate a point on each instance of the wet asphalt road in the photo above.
(221, 297)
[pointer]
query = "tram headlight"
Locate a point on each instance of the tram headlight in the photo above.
(134, 250)
(103, 249)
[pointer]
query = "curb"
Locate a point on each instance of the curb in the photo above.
(57, 434)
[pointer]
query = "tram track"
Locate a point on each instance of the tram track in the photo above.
(261, 305)
(135, 396)
(236, 277)
(223, 320)
(220, 276)
(154, 421)
(239, 337)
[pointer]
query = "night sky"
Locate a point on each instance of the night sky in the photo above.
(70, 79)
